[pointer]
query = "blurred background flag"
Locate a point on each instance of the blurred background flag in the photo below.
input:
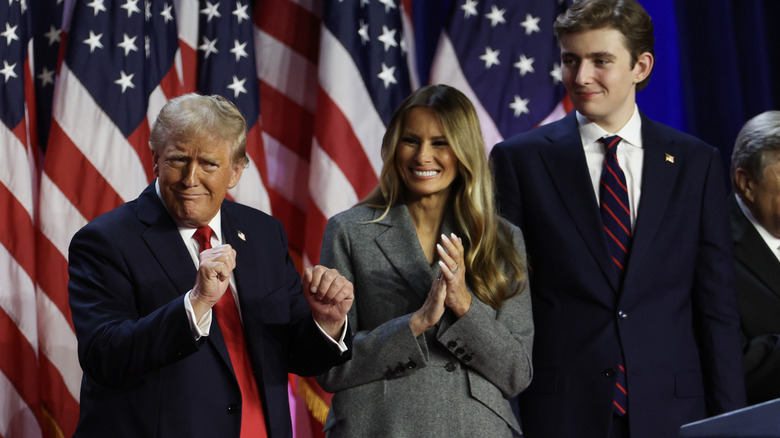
(504, 56)
(19, 392)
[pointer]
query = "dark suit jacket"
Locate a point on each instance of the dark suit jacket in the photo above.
(758, 289)
(144, 373)
(674, 320)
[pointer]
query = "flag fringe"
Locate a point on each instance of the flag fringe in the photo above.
(314, 403)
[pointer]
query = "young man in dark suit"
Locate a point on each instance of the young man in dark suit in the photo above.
(626, 226)
(188, 310)
(755, 224)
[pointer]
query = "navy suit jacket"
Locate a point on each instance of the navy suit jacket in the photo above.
(758, 289)
(144, 373)
(673, 322)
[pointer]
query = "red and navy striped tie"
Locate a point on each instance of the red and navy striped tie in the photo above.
(616, 216)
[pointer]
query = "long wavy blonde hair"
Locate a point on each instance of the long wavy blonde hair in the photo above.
(490, 252)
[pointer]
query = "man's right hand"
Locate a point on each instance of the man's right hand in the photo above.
(213, 278)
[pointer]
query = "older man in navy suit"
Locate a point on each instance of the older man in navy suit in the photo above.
(627, 233)
(188, 310)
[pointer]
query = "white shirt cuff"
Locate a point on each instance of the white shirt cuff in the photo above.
(199, 328)
(340, 343)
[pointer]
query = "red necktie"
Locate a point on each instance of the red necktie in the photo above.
(226, 312)
(615, 213)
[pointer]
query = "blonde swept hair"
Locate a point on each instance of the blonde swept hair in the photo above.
(193, 115)
(488, 246)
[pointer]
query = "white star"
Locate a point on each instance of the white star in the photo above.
(97, 5)
(388, 38)
(363, 32)
(54, 35)
(525, 65)
(556, 73)
(469, 8)
(239, 49)
(8, 70)
(212, 10)
(148, 10)
(125, 81)
(131, 6)
(237, 86)
(167, 12)
(9, 34)
(240, 12)
(94, 41)
(23, 4)
(209, 47)
(495, 16)
(520, 106)
(387, 75)
(128, 44)
(490, 57)
(147, 46)
(389, 4)
(46, 77)
(531, 24)
(404, 49)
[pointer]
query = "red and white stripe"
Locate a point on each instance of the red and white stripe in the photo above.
(20, 401)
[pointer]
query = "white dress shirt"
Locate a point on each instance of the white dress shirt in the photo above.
(630, 155)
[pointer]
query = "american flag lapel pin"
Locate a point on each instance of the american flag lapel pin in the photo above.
(670, 158)
(242, 236)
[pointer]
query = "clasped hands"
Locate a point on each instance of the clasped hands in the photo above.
(328, 293)
(449, 288)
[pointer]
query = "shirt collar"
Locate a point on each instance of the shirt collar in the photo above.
(771, 241)
(631, 132)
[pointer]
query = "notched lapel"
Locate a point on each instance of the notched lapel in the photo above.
(164, 241)
(659, 178)
(564, 159)
(751, 250)
(399, 243)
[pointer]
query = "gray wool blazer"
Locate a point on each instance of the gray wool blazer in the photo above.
(455, 379)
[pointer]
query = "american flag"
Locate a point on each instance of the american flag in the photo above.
(317, 81)
(503, 55)
(20, 396)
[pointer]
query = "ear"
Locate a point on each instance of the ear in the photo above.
(235, 176)
(743, 185)
(643, 67)
(155, 166)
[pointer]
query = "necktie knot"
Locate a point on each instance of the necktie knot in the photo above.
(203, 237)
(610, 146)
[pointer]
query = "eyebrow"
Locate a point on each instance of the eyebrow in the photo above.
(591, 55)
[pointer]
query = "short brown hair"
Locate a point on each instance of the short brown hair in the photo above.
(626, 16)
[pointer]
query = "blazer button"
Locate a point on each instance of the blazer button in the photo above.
(467, 357)
(452, 344)
(232, 408)
(400, 369)
(411, 364)
(459, 351)
(610, 372)
(450, 366)
(622, 314)
(389, 373)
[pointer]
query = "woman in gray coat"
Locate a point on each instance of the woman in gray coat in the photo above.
(442, 310)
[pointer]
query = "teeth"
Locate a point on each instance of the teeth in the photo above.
(425, 173)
